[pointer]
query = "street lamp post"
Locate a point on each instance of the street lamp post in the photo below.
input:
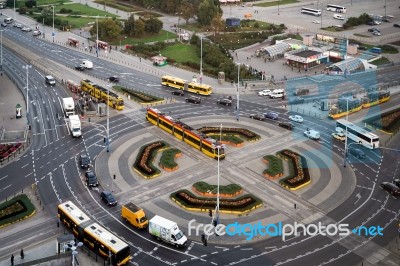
(237, 93)
(201, 58)
(14, 11)
(27, 67)
(53, 25)
(218, 174)
(1, 62)
(345, 139)
(108, 118)
(97, 36)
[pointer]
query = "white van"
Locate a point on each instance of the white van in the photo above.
(8, 20)
(278, 93)
(87, 64)
(337, 16)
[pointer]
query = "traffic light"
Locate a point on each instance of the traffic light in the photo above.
(203, 239)
(210, 213)
(215, 222)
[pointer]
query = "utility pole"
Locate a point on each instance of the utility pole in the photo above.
(27, 67)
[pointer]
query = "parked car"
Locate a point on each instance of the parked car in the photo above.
(193, 99)
(108, 198)
(391, 188)
(271, 115)
(80, 68)
(356, 152)
(264, 93)
(396, 25)
(397, 182)
(258, 116)
(376, 33)
(377, 22)
(286, 125)
(91, 179)
(362, 48)
(373, 29)
(296, 118)
(3, 24)
(224, 101)
(296, 100)
(370, 23)
(178, 92)
(339, 136)
(315, 21)
(84, 161)
(36, 33)
(114, 79)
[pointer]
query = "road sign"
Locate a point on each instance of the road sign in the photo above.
(53, 34)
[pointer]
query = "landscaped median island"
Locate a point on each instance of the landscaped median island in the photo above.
(167, 160)
(232, 136)
(299, 175)
(139, 96)
(16, 209)
(144, 160)
(275, 167)
(239, 205)
(204, 189)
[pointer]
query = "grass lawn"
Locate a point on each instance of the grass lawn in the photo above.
(275, 3)
(118, 5)
(79, 9)
(51, 2)
(380, 61)
(181, 53)
(163, 35)
(361, 35)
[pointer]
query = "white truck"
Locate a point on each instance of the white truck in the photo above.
(166, 230)
(87, 64)
(75, 126)
(68, 106)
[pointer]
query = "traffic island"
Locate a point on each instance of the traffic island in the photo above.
(144, 160)
(167, 160)
(229, 133)
(275, 167)
(139, 96)
(299, 175)
(16, 209)
(206, 190)
(191, 202)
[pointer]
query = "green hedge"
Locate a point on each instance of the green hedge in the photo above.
(294, 169)
(231, 138)
(154, 171)
(242, 132)
(9, 218)
(189, 200)
(204, 187)
(168, 158)
(275, 165)
(138, 95)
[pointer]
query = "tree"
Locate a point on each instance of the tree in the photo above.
(139, 27)
(129, 27)
(217, 23)
(109, 29)
(188, 10)
(206, 12)
(153, 25)
(30, 3)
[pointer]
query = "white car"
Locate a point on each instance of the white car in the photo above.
(315, 21)
(264, 93)
(376, 33)
(296, 118)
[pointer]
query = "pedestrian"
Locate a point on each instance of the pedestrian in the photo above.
(12, 259)
(140, 59)
(22, 253)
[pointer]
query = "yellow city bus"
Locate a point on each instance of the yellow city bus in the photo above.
(93, 235)
(181, 84)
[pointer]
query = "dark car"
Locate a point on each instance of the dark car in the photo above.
(397, 182)
(84, 161)
(178, 92)
(80, 68)
(3, 24)
(224, 101)
(391, 188)
(371, 23)
(193, 99)
(286, 125)
(296, 100)
(364, 48)
(108, 198)
(260, 117)
(373, 29)
(396, 25)
(357, 153)
(271, 115)
(91, 179)
(114, 79)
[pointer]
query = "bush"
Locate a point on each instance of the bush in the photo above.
(204, 187)
(168, 158)
(16, 209)
(245, 133)
(275, 165)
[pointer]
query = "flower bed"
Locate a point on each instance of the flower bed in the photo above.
(299, 175)
(139, 96)
(16, 209)
(228, 139)
(189, 201)
(275, 167)
(207, 190)
(167, 160)
(144, 159)
(245, 133)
